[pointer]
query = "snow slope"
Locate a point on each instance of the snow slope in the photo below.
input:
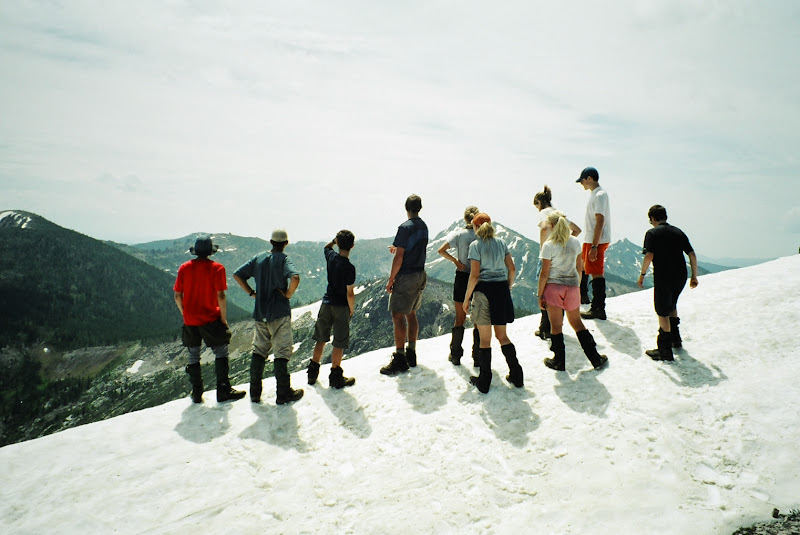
(702, 445)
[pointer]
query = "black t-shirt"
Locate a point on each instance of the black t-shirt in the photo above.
(667, 243)
(341, 274)
(412, 236)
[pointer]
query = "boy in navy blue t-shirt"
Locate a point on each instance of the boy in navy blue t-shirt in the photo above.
(337, 308)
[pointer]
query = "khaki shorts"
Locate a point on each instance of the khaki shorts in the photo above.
(406, 293)
(479, 309)
(273, 336)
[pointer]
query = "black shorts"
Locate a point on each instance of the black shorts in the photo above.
(460, 286)
(214, 334)
(665, 296)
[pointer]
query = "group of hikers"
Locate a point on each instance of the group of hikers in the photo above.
(484, 275)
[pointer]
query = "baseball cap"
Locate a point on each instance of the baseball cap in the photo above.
(279, 235)
(481, 218)
(589, 172)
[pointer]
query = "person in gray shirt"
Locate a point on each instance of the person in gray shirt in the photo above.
(460, 240)
(492, 274)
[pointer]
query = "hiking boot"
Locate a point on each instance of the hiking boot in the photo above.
(544, 335)
(337, 379)
(584, 289)
(285, 392)
(677, 343)
(544, 326)
(196, 378)
(593, 314)
(483, 381)
(257, 363)
(514, 369)
(456, 350)
(476, 346)
(313, 372)
(558, 362)
(597, 310)
(553, 365)
(225, 392)
(411, 358)
(397, 365)
(664, 350)
(590, 349)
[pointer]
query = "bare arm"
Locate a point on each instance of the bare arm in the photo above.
(443, 251)
(543, 276)
(244, 285)
(351, 298)
(648, 259)
(474, 274)
(179, 301)
(512, 270)
(600, 220)
(693, 282)
(222, 299)
(397, 261)
(293, 284)
(574, 228)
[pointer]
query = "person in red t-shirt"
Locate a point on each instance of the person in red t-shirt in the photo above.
(200, 296)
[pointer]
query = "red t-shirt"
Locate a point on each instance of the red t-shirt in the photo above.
(199, 280)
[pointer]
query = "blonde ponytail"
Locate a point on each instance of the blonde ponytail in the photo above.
(561, 231)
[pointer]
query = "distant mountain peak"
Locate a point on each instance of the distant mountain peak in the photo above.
(17, 219)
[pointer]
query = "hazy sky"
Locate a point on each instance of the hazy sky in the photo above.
(136, 121)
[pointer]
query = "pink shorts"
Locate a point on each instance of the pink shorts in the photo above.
(562, 296)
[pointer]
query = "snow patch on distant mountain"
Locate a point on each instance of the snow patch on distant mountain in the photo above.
(14, 219)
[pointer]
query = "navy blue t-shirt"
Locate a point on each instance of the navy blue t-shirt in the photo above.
(412, 236)
(341, 274)
(667, 243)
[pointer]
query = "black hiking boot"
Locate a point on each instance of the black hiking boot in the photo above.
(677, 343)
(590, 349)
(584, 289)
(256, 377)
(456, 351)
(558, 362)
(225, 392)
(597, 310)
(476, 347)
(397, 365)
(336, 379)
(411, 358)
(514, 369)
(664, 350)
(544, 326)
(196, 378)
(286, 394)
(313, 372)
(483, 381)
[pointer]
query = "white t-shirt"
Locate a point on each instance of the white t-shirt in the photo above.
(598, 204)
(562, 261)
(544, 223)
